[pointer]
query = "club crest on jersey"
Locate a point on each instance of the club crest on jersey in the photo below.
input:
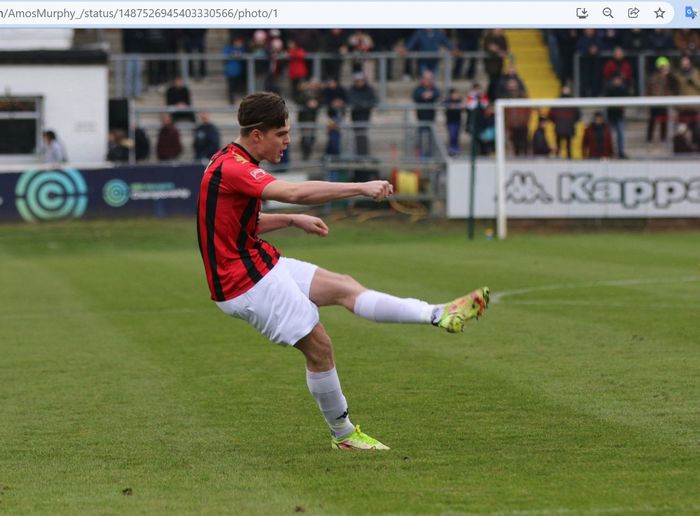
(258, 174)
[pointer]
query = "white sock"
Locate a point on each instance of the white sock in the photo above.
(380, 307)
(325, 388)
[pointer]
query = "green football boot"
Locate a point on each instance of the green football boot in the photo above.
(357, 440)
(456, 313)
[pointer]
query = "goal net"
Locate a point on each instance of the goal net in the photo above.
(650, 179)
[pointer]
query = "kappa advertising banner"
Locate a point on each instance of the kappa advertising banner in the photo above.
(69, 193)
(579, 189)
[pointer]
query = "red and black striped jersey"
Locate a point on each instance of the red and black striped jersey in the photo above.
(228, 209)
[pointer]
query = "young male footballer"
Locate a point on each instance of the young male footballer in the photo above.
(280, 296)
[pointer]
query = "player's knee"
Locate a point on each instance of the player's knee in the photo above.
(348, 294)
(322, 357)
(351, 282)
(318, 349)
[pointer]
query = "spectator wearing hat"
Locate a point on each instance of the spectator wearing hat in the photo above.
(661, 83)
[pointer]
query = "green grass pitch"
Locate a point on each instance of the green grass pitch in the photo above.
(123, 389)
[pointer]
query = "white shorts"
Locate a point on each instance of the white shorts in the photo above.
(278, 305)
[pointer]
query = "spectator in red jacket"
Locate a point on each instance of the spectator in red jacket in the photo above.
(298, 71)
(618, 65)
(597, 141)
(169, 146)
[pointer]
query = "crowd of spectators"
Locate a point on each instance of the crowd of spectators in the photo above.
(607, 59)
(160, 41)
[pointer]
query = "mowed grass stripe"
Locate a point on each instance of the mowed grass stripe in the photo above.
(105, 417)
(530, 410)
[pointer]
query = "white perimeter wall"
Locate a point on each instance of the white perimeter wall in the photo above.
(75, 103)
(579, 189)
(36, 39)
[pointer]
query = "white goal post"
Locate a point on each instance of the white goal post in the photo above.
(502, 104)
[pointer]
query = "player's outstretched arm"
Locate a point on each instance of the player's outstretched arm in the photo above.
(319, 192)
(270, 222)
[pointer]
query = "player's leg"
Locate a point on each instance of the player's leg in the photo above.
(331, 288)
(322, 380)
(281, 310)
(324, 385)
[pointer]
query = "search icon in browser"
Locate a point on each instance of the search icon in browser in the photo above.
(608, 12)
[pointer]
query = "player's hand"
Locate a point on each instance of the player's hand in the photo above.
(311, 225)
(377, 190)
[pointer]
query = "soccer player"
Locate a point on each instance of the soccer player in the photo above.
(280, 296)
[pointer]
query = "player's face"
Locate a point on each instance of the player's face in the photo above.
(274, 142)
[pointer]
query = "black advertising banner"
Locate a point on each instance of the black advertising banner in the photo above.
(35, 195)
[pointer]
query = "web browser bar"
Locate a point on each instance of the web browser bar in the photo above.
(341, 14)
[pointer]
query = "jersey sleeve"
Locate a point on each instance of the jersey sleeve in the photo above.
(246, 179)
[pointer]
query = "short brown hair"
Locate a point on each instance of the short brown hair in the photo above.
(262, 111)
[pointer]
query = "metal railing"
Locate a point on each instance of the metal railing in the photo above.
(376, 65)
(364, 148)
(399, 136)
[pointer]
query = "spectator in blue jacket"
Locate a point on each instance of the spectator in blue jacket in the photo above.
(428, 40)
(454, 105)
(589, 46)
(206, 138)
(425, 95)
(234, 68)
